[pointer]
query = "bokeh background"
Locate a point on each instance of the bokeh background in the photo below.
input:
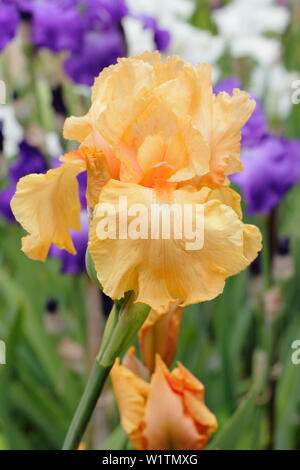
(51, 316)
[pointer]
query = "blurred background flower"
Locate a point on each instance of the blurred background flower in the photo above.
(270, 170)
(243, 24)
(30, 160)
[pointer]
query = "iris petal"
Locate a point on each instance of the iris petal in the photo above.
(48, 207)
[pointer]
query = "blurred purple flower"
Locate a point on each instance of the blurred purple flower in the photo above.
(257, 126)
(74, 264)
(30, 160)
(228, 84)
(25, 6)
(5, 198)
(9, 22)
(82, 181)
(270, 170)
(56, 28)
(100, 15)
(90, 30)
(99, 50)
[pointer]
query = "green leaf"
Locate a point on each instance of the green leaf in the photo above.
(229, 437)
(118, 440)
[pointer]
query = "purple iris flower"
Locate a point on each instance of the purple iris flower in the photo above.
(257, 126)
(74, 264)
(56, 28)
(99, 50)
(30, 160)
(5, 198)
(9, 22)
(100, 15)
(270, 170)
(90, 30)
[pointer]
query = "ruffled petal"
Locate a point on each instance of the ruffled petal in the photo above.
(48, 207)
(163, 271)
(131, 394)
(219, 119)
(230, 114)
(252, 239)
(192, 391)
(115, 83)
(189, 93)
(167, 425)
(229, 197)
(141, 99)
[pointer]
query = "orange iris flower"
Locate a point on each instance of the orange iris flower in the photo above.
(155, 132)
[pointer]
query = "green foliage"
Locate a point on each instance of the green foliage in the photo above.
(38, 391)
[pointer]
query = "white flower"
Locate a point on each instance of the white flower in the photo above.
(243, 23)
(194, 45)
(187, 41)
(163, 9)
(274, 86)
(11, 130)
(138, 38)
(53, 146)
(266, 51)
(242, 17)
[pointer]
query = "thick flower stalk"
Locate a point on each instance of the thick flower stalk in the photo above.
(155, 134)
(166, 413)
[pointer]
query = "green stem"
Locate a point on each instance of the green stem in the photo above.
(86, 406)
(119, 333)
(269, 228)
(41, 89)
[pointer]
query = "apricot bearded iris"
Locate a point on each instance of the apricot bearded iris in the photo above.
(155, 132)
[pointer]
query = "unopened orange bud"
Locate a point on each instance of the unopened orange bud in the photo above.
(159, 335)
